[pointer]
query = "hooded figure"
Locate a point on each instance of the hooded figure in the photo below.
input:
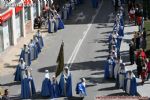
(25, 54)
(37, 44)
(27, 85)
(51, 24)
(20, 70)
(121, 76)
(65, 83)
(130, 84)
(40, 38)
(59, 22)
(81, 88)
(46, 86)
(55, 88)
(33, 50)
(117, 65)
(109, 68)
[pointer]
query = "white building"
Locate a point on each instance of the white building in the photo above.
(14, 20)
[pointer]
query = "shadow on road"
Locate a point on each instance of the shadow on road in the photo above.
(90, 65)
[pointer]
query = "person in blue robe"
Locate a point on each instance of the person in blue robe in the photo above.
(121, 76)
(130, 84)
(25, 54)
(20, 70)
(81, 88)
(25, 88)
(31, 82)
(119, 39)
(59, 22)
(46, 86)
(94, 3)
(55, 88)
(121, 31)
(51, 25)
(65, 13)
(27, 85)
(40, 38)
(65, 83)
(109, 68)
(37, 45)
(33, 50)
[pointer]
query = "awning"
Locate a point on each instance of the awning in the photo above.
(27, 2)
(5, 16)
(18, 9)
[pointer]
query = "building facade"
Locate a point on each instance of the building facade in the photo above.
(15, 16)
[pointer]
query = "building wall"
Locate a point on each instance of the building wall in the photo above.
(15, 27)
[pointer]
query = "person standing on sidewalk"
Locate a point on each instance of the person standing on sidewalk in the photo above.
(132, 52)
(139, 64)
(6, 96)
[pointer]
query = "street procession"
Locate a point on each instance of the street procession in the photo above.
(75, 50)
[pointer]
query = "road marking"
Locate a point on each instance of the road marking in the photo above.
(77, 47)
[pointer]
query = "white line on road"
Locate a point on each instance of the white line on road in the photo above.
(77, 47)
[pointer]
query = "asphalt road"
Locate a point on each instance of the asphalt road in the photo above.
(85, 51)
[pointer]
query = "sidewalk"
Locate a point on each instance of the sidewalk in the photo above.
(143, 90)
(9, 58)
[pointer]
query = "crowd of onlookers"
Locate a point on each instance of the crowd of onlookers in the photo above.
(138, 43)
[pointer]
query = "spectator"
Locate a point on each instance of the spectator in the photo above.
(131, 52)
(131, 14)
(5, 96)
(39, 22)
(144, 33)
(137, 36)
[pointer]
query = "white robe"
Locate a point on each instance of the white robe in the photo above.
(52, 25)
(116, 70)
(128, 86)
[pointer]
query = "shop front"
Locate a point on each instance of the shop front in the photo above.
(27, 13)
(6, 35)
(18, 21)
(35, 8)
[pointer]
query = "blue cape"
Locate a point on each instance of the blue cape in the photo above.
(106, 73)
(133, 87)
(80, 89)
(40, 38)
(22, 55)
(121, 31)
(46, 88)
(49, 26)
(61, 24)
(68, 86)
(32, 87)
(25, 89)
(18, 73)
(55, 90)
